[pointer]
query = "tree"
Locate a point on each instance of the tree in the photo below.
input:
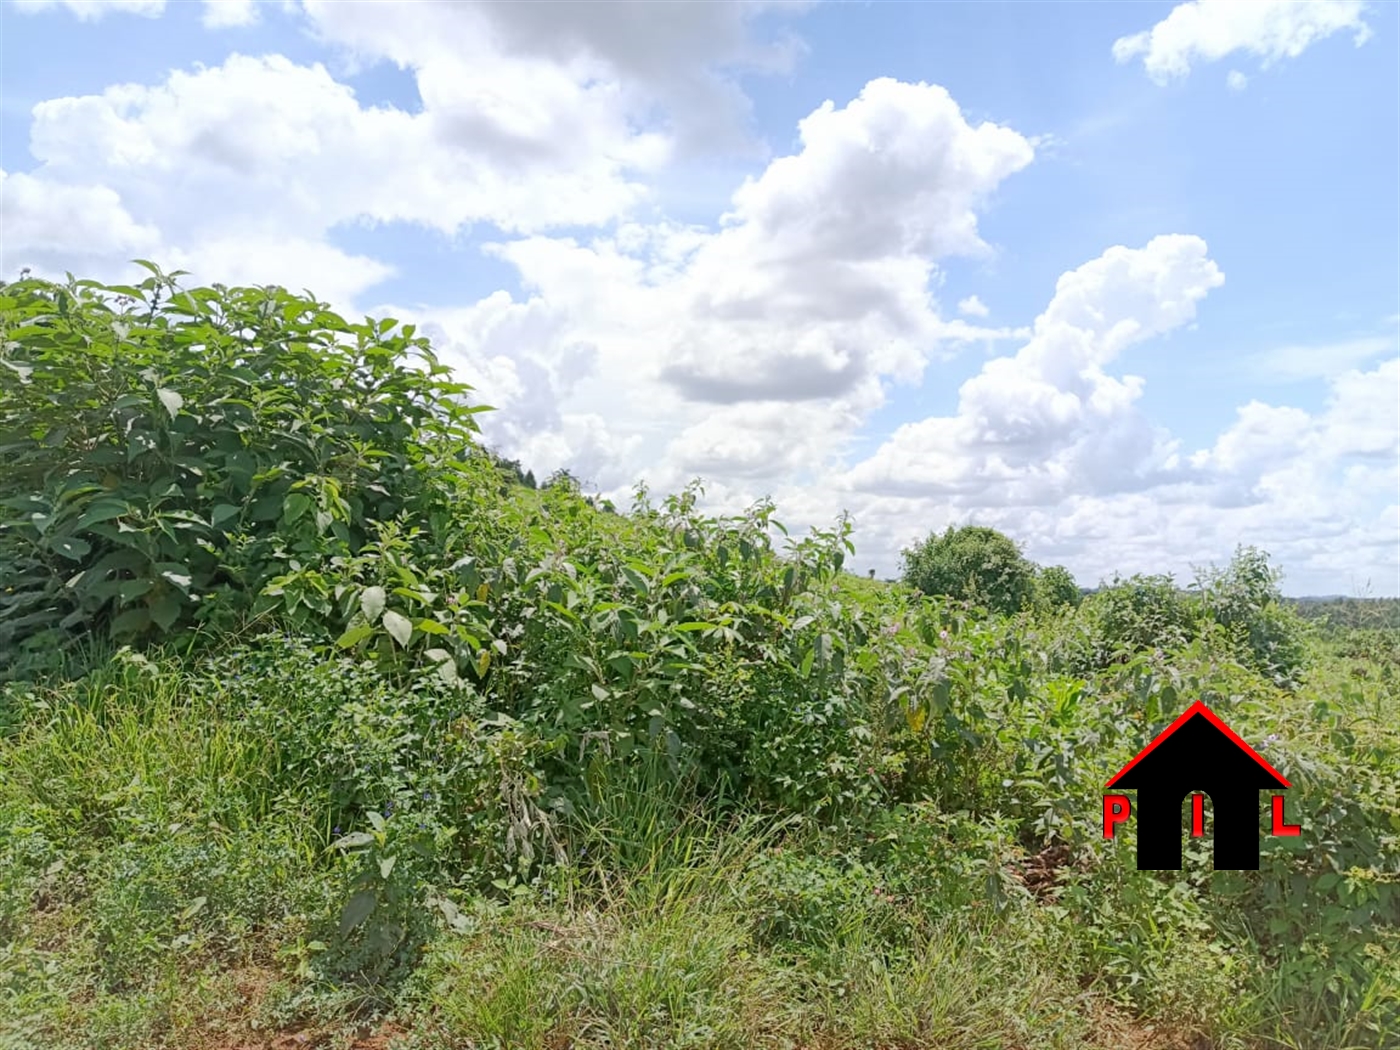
(1055, 587)
(973, 563)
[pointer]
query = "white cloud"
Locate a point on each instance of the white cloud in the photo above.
(973, 307)
(751, 352)
(1209, 30)
(498, 56)
(291, 145)
(224, 14)
(533, 117)
(1050, 421)
(1236, 81)
(51, 227)
(92, 10)
(1324, 361)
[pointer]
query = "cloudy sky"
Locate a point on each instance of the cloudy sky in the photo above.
(1122, 280)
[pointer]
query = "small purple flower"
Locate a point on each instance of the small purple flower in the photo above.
(335, 830)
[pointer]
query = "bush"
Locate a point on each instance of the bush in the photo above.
(169, 452)
(974, 564)
(1055, 588)
(1244, 600)
(1139, 614)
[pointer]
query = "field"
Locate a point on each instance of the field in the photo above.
(320, 728)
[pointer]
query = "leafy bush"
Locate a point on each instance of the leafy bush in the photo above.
(1245, 601)
(1055, 588)
(974, 564)
(1139, 614)
(169, 452)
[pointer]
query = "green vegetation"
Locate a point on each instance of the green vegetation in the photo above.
(437, 756)
(974, 564)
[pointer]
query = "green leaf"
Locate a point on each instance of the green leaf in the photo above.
(133, 589)
(165, 611)
(386, 867)
(196, 906)
(222, 513)
(295, 506)
(103, 510)
(72, 548)
(399, 627)
(133, 621)
(372, 601)
(354, 840)
(354, 636)
(357, 910)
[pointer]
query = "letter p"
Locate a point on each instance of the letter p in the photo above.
(1116, 809)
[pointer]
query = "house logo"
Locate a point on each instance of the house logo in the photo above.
(1197, 755)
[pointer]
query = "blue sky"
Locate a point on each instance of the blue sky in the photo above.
(637, 231)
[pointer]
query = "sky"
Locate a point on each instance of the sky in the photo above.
(1120, 280)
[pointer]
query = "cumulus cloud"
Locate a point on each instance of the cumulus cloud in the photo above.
(51, 227)
(291, 146)
(1209, 30)
(752, 351)
(755, 350)
(225, 14)
(533, 117)
(1236, 81)
(973, 307)
(657, 64)
(1050, 419)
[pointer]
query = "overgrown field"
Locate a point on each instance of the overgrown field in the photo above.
(318, 728)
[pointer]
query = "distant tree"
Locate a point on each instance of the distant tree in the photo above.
(1245, 601)
(530, 482)
(1138, 614)
(1055, 587)
(973, 563)
(564, 479)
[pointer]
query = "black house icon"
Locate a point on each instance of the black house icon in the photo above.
(1198, 753)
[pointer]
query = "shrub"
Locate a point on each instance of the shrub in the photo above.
(168, 452)
(975, 564)
(1055, 588)
(1136, 615)
(1244, 599)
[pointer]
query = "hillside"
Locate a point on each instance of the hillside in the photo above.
(318, 730)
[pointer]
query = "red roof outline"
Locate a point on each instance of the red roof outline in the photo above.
(1198, 708)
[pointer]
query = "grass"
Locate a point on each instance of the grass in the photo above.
(166, 881)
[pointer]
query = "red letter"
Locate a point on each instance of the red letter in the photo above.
(1116, 809)
(1198, 816)
(1280, 828)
